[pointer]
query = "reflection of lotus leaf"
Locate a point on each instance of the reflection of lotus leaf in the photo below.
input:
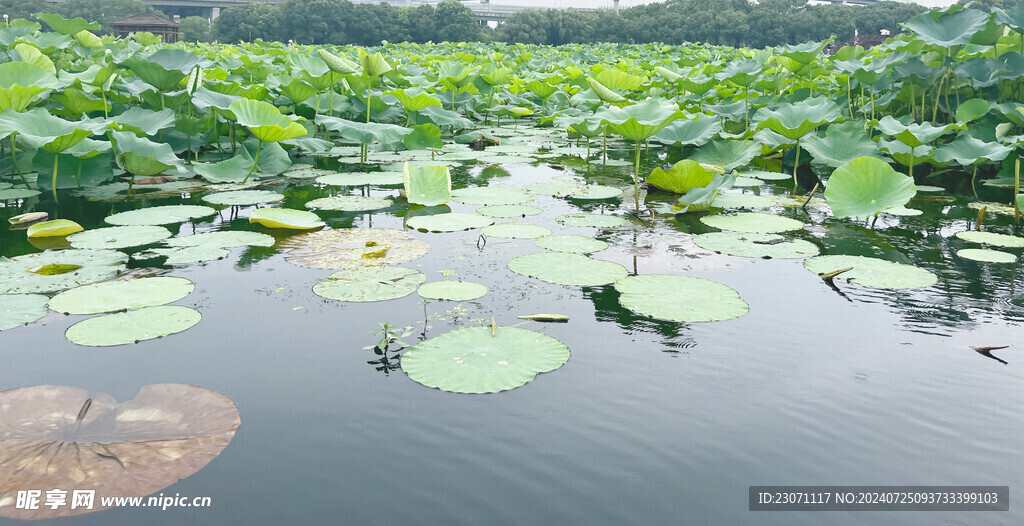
(756, 245)
(363, 284)
(594, 220)
(19, 309)
(506, 211)
(752, 223)
(89, 266)
(451, 222)
(352, 247)
(116, 295)
(119, 237)
(567, 269)
(486, 195)
(243, 197)
(992, 238)
(571, 243)
(452, 290)
(160, 215)
(184, 255)
(516, 231)
(680, 298)
(362, 178)
(348, 203)
(133, 326)
(987, 255)
(477, 360)
(286, 218)
(68, 438)
(872, 272)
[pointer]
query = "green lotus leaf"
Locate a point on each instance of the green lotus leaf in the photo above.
(21, 84)
(571, 243)
(794, 120)
(115, 237)
(339, 65)
(972, 110)
(142, 121)
(695, 132)
(231, 170)
(947, 29)
(641, 121)
(992, 238)
(966, 150)
(370, 283)
(452, 290)
(603, 92)
(508, 211)
(352, 247)
(591, 220)
(163, 69)
(742, 201)
(680, 298)
(89, 40)
(427, 185)
(742, 72)
(423, 136)
(39, 129)
(841, 144)
(143, 157)
(87, 266)
(286, 218)
(119, 295)
(388, 135)
(21, 309)
(374, 65)
(756, 245)
(450, 222)
(54, 228)
(183, 255)
(683, 176)
(701, 198)
(265, 121)
(243, 197)
(752, 223)
(866, 186)
(133, 326)
(567, 269)
(906, 155)
(65, 26)
(11, 194)
(483, 360)
(619, 80)
(515, 231)
(223, 239)
(913, 134)
(987, 255)
(32, 55)
(349, 203)
(160, 215)
(443, 118)
(727, 154)
(362, 178)
(575, 190)
(414, 99)
(802, 53)
(872, 272)
(490, 195)
(765, 176)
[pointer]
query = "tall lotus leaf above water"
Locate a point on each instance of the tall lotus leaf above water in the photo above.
(966, 150)
(913, 134)
(374, 65)
(727, 154)
(694, 132)
(947, 29)
(21, 83)
(840, 144)
(683, 176)
(41, 130)
(143, 157)
(336, 64)
(67, 26)
(604, 93)
(794, 120)
(640, 121)
(142, 121)
(31, 55)
(265, 121)
(164, 69)
(389, 135)
(867, 186)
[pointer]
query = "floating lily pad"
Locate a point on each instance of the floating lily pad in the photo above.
(515, 231)
(20, 309)
(929, 188)
(55, 228)
(680, 298)
(765, 175)
(742, 201)
(903, 211)
(489, 195)
(574, 190)
(114, 237)
(452, 290)
(306, 172)
(477, 360)
(86, 266)
(286, 218)
(223, 239)
(567, 269)
(451, 222)
(184, 255)
(991, 208)
(742, 182)
(352, 247)
(160, 215)
(506, 159)
(349, 203)
(872, 272)
(991, 238)
(752, 223)
(362, 178)
(66, 438)
(592, 220)
(571, 243)
(133, 326)
(243, 197)
(117, 295)
(126, 192)
(987, 255)
(756, 245)
(11, 194)
(363, 284)
(506, 211)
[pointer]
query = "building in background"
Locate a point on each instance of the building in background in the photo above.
(149, 21)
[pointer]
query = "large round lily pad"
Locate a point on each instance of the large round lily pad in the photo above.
(752, 223)
(451, 222)
(575, 190)
(362, 178)
(223, 239)
(114, 237)
(286, 218)
(56, 270)
(68, 438)
(567, 269)
(765, 175)
(571, 243)
(872, 272)
(593, 220)
(991, 238)
(133, 326)
(477, 360)
(452, 290)
(516, 231)
(348, 203)
(506, 211)
(742, 201)
(352, 247)
(19, 309)
(488, 195)
(11, 194)
(117, 295)
(987, 255)
(363, 284)
(756, 245)
(243, 197)
(680, 298)
(160, 215)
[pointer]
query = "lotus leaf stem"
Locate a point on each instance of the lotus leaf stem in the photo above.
(14, 161)
(54, 182)
(254, 162)
(981, 218)
(1016, 186)
(796, 163)
(636, 177)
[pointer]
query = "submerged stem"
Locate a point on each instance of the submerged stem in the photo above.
(636, 178)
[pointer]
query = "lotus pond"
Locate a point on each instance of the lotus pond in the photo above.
(508, 284)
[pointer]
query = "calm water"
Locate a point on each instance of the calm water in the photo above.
(648, 422)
